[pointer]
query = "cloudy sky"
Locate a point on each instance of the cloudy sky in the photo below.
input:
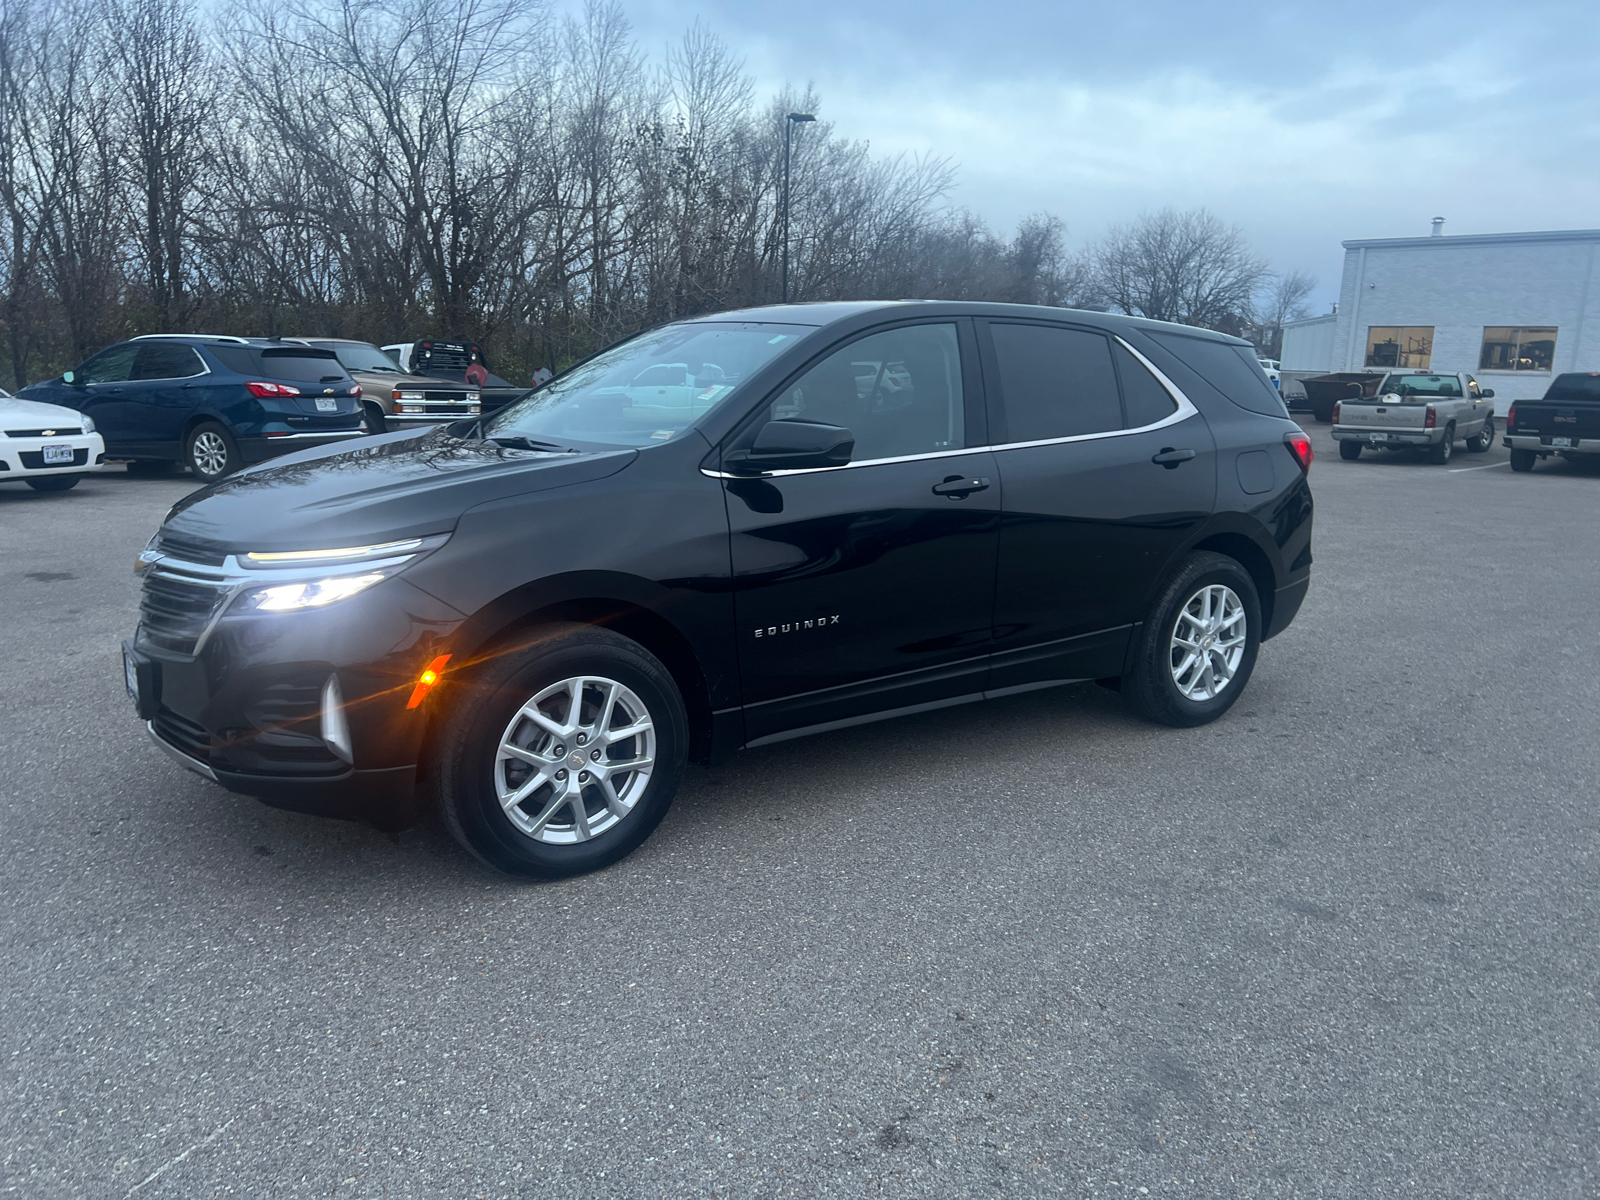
(1303, 124)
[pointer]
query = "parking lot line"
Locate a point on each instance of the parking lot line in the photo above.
(1484, 467)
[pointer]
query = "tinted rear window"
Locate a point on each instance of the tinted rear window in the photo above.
(1574, 387)
(296, 364)
(1055, 382)
(1232, 370)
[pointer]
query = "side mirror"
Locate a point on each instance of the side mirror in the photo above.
(69, 377)
(786, 445)
(1487, 393)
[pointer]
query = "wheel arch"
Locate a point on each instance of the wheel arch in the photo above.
(504, 627)
(1243, 549)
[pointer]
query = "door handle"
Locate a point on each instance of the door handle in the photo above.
(1170, 458)
(958, 487)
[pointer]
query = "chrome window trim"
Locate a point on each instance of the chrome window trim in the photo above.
(1185, 410)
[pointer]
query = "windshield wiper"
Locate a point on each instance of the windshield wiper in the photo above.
(519, 442)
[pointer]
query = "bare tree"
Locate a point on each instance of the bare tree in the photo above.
(1186, 267)
(1282, 300)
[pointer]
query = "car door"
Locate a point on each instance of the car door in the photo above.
(870, 587)
(105, 394)
(1105, 474)
(167, 387)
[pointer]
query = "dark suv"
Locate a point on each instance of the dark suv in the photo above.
(725, 532)
(211, 403)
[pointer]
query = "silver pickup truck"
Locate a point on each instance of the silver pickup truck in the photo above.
(1416, 408)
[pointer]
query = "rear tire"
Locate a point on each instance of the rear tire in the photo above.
(1439, 453)
(491, 750)
(1523, 460)
(1484, 439)
(53, 483)
(210, 452)
(1166, 685)
(1350, 451)
(374, 419)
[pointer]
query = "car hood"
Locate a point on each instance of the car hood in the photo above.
(15, 411)
(385, 488)
(375, 383)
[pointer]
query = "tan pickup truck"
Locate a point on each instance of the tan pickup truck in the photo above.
(1417, 409)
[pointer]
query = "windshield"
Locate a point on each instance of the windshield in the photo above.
(647, 390)
(358, 356)
(1421, 385)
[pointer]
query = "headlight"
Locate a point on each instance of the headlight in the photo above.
(286, 597)
(88, 424)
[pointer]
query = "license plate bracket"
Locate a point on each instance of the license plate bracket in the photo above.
(1377, 437)
(58, 456)
(141, 675)
(1564, 442)
(324, 405)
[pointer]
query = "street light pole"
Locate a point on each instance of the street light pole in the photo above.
(788, 125)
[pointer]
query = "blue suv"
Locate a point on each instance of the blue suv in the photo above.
(211, 403)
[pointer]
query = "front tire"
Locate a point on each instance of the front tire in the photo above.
(1197, 647)
(1439, 453)
(1523, 460)
(53, 483)
(1484, 439)
(210, 452)
(1350, 451)
(533, 777)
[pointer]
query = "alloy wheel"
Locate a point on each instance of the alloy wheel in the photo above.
(575, 760)
(209, 453)
(1208, 640)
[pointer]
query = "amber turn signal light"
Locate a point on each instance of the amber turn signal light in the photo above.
(431, 675)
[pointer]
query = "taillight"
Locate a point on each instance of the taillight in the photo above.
(266, 390)
(1511, 418)
(1430, 418)
(1336, 406)
(1300, 446)
(355, 389)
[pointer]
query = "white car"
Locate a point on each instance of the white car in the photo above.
(1271, 367)
(45, 446)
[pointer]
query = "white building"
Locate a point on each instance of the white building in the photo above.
(1512, 308)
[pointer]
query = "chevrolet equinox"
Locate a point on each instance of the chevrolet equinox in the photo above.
(724, 532)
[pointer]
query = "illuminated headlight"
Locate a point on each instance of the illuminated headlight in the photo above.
(287, 597)
(88, 424)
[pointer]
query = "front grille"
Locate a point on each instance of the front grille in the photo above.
(43, 432)
(182, 733)
(175, 612)
(447, 397)
(33, 460)
(193, 550)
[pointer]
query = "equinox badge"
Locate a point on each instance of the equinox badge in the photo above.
(791, 626)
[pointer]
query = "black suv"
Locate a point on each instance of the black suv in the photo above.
(725, 532)
(211, 403)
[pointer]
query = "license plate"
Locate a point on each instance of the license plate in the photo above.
(54, 456)
(1566, 441)
(327, 405)
(1377, 437)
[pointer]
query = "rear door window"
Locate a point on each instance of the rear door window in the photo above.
(1232, 370)
(166, 360)
(1147, 401)
(1054, 382)
(1576, 388)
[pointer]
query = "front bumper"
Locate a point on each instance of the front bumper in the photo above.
(1387, 437)
(248, 704)
(23, 457)
(1543, 445)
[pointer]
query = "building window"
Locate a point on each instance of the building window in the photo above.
(1407, 346)
(1518, 348)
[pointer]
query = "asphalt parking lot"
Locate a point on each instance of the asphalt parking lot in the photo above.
(1343, 942)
